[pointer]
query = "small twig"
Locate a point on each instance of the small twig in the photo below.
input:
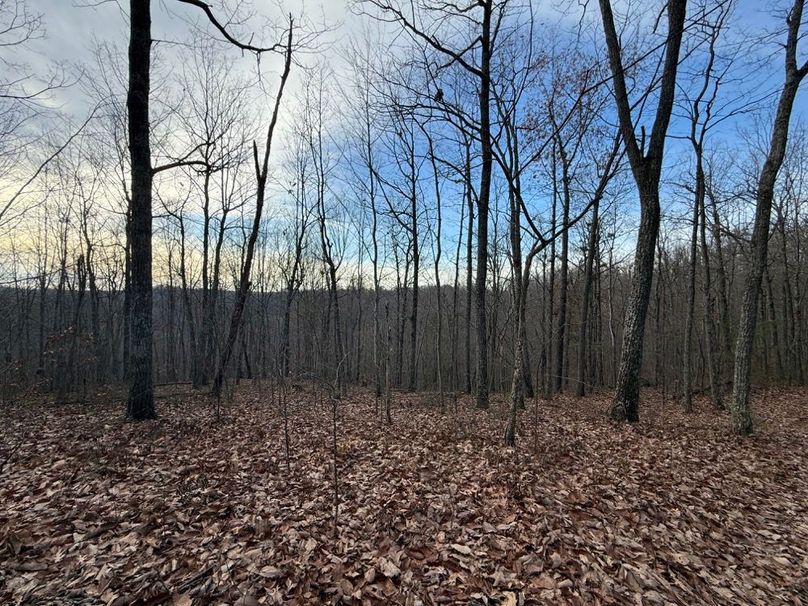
(11, 453)
(195, 580)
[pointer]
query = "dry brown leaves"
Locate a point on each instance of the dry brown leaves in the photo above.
(432, 509)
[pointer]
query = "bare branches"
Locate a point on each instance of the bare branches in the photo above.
(184, 161)
(10, 202)
(261, 169)
(794, 22)
(19, 25)
(619, 83)
(245, 46)
(417, 31)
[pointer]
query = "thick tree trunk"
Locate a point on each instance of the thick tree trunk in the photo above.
(140, 403)
(646, 164)
(486, 166)
(626, 402)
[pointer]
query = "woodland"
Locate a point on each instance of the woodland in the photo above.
(490, 302)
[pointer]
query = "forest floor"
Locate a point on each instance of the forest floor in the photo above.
(432, 509)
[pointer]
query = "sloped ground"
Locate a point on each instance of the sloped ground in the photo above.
(432, 509)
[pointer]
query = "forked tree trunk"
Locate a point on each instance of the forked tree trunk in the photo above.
(646, 165)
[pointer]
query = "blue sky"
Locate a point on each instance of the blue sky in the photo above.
(73, 31)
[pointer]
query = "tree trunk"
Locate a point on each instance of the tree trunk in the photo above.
(626, 402)
(416, 270)
(646, 165)
(709, 303)
(687, 379)
(561, 320)
(594, 231)
(740, 409)
(455, 294)
(469, 273)
(486, 165)
(140, 403)
(261, 171)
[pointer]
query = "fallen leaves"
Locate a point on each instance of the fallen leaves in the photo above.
(388, 568)
(432, 509)
(461, 549)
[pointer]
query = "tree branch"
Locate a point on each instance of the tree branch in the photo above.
(247, 46)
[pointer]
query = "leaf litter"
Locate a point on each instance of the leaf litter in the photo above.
(432, 509)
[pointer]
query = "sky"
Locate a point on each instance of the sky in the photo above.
(74, 28)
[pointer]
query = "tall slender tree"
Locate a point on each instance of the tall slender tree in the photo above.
(794, 74)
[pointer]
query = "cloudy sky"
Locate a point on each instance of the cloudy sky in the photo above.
(73, 29)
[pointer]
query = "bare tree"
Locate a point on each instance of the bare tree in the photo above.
(140, 403)
(703, 116)
(261, 173)
(646, 165)
(292, 263)
(794, 74)
(425, 25)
